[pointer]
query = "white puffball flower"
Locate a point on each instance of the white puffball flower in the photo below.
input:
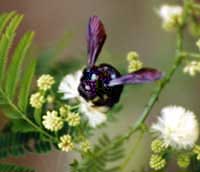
(69, 86)
(171, 16)
(177, 127)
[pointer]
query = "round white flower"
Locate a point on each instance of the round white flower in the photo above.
(69, 86)
(171, 16)
(177, 127)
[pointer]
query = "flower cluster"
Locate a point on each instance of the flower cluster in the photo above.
(177, 129)
(44, 83)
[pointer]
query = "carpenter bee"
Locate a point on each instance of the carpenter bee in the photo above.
(103, 84)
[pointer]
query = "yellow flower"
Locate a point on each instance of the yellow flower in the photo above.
(52, 121)
(66, 143)
(73, 119)
(36, 100)
(85, 146)
(45, 82)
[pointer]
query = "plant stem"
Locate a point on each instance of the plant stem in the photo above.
(179, 56)
(191, 55)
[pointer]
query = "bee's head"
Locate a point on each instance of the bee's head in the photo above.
(94, 85)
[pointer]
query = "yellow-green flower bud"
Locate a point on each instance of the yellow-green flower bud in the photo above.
(132, 55)
(158, 146)
(157, 162)
(50, 99)
(64, 110)
(134, 62)
(134, 66)
(85, 146)
(183, 160)
(73, 119)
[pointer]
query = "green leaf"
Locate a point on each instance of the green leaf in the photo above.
(6, 41)
(18, 144)
(25, 85)
(22, 126)
(9, 112)
(37, 116)
(14, 168)
(15, 65)
(4, 18)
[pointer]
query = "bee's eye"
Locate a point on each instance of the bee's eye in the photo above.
(94, 77)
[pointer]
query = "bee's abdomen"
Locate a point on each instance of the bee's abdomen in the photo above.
(94, 85)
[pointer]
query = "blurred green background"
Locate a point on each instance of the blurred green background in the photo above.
(60, 46)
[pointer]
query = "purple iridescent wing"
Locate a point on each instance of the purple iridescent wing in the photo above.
(96, 37)
(144, 75)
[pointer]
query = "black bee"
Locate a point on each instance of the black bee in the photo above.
(103, 84)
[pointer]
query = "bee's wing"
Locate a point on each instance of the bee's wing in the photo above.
(144, 75)
(96, 37)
